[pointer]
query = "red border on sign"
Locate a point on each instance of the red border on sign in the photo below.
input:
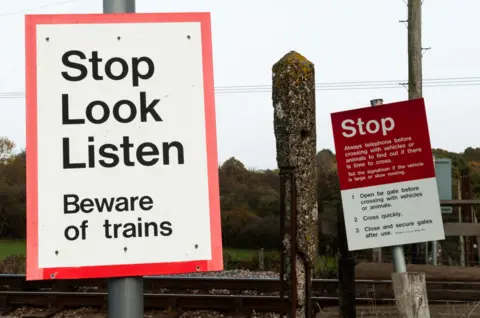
(410, 121)
(216, 262)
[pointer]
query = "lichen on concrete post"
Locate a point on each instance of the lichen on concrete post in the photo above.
(293, 94)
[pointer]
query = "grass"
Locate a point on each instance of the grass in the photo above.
(14, 247)
(324, 263)
(8, 248)
(240, 254)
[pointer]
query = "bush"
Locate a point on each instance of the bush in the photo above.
(262, 233)
(271, 261)
(244, 229)
(233, 223)
(241, 264)
(227, 260)
(13, 264)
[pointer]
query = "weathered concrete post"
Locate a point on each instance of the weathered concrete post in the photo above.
(293, 95)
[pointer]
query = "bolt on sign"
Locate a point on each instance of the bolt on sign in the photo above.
(122, 171)
(387, 176)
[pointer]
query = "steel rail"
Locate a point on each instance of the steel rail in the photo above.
(179, 285)
(230, 303)
(155, 283)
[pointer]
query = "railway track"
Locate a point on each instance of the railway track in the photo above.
(209, 293)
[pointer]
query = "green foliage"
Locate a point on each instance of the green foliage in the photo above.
(6, 149)
(250, 199)
(227, 259)
(13, 264)
(11, 247)
(12, 191)
(271, 260)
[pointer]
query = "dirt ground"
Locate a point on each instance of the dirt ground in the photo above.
(432, 273)
(93, 313)
(471, 310)
(436, 311)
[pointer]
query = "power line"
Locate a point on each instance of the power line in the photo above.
(37, 8)
(327, 86)
(383, 82)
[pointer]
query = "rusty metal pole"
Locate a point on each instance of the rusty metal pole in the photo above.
(346, 270)
(461, 239)
(283, 211)
(466, 190)
(293, 95)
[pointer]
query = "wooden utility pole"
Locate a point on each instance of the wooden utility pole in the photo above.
(410, 288)
(415, 72)
(414, 49)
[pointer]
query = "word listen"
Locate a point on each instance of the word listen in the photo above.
(135, 111)
(372, 126)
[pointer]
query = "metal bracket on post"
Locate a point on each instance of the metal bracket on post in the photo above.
(283, 209)
(287, 173)
(346, 269)
(308, 292)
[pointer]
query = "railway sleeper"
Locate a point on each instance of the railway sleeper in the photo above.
(5, 307)
(173, 304)
(52, 308)
(43, 314)
(238, 304)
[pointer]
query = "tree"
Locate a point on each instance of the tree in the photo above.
(12, 191)
(6, 149)
(328, 187)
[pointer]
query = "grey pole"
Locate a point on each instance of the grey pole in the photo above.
(125, 297)
(427, 255)
(118, 6)
(434, 252)
(433, 243)
(125, 294)
(398, 256)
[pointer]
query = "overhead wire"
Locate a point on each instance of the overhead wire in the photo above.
(332, 86)
(36, 8)
(326, 86)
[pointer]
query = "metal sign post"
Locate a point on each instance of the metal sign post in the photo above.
(125, 294)
(398, 255)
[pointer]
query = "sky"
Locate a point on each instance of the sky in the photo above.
(347, 40)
